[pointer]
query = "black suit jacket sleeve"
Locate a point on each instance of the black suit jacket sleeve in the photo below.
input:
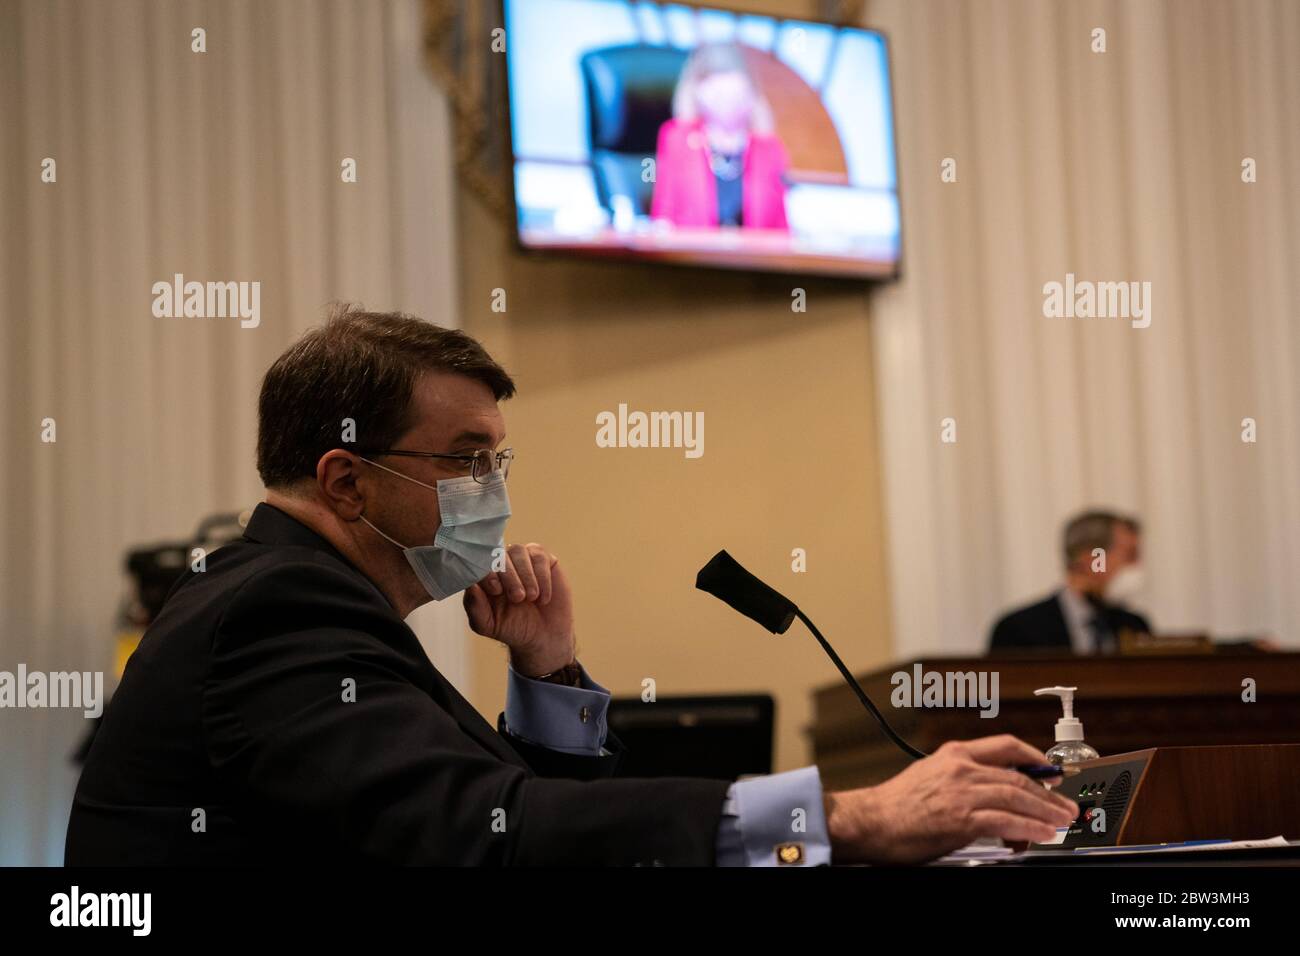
(317, 716)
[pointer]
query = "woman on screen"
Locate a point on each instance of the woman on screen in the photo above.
(718, 160)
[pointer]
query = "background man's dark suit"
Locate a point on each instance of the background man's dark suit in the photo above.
(233, 704)
(1043, 625)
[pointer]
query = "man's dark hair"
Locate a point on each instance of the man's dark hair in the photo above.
(1093, 529)
(358, 365)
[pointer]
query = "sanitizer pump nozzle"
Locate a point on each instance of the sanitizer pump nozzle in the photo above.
(1070, 746)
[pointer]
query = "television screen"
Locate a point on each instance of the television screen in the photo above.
(691, 135)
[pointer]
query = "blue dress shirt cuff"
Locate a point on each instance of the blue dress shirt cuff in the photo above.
(568, 719)
(779, 811)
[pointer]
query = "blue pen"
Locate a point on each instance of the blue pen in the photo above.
(1045, 771)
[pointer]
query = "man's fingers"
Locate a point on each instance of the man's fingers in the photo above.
(1010, 827)
(523, 563)
(542, 572)
(1039, 805)
(1039, 791)
(477, 609)
(509, 578)
(530, 574)
(1003, 750)
(999, 776)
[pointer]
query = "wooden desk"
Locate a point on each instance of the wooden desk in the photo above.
(1125, 703)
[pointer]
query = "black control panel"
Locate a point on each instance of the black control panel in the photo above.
(1103, 793)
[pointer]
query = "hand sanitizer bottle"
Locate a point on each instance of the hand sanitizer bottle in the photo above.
(1070, 746)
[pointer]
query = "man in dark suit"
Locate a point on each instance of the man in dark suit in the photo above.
(280, 710)
(1102, 552)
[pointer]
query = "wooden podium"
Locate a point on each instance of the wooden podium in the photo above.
(1126, 704)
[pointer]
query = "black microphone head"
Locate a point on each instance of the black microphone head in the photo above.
(725, 579)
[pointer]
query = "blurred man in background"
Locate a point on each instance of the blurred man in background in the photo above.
(1103, 570)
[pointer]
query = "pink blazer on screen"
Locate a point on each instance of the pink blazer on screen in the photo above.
(686, 192)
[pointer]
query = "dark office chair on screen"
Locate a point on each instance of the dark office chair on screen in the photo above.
(629, 91)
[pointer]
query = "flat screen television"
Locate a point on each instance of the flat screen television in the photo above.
(691, 135)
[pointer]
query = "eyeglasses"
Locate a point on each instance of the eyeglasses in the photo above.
(480, 465)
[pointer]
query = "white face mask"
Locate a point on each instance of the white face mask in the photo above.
(1128, 582)
(471, 531)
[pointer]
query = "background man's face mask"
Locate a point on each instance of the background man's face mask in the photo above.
(1127, 583)
(474, 516)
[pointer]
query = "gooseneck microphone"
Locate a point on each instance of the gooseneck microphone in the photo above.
(725, 579)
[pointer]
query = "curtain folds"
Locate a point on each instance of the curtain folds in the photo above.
(1117, 166)
(220, 166)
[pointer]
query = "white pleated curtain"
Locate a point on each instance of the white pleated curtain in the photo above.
(1116, 166)
(222, 165)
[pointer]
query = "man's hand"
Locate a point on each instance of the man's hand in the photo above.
(528, 608)
(963, 791)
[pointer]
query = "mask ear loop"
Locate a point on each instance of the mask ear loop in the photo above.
(397, 473)
(381, 534)
(391, 541)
